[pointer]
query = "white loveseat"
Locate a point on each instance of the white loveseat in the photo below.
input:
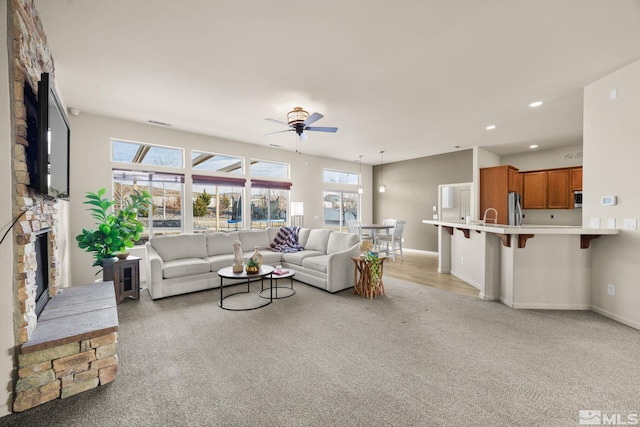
(183, 263)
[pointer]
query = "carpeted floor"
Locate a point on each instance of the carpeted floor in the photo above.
(418, 357)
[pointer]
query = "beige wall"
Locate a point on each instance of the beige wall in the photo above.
(91, 170)
(412, 191)
(611, 153)
(7, 297)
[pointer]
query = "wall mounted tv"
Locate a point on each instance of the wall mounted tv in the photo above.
(48, 151)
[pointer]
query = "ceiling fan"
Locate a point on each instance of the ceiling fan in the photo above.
(299, 120)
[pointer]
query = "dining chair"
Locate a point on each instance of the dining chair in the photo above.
(354, 227)
(393, 241)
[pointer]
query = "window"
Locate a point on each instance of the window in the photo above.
(217, 203)
(269, 203)
(203, 161)
(339, 207)
(340, 177)
(146, 154)
(165, 215)
(270, 169)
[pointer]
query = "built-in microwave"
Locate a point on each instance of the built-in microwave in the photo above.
(577, 199)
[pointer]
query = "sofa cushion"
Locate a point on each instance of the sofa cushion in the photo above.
(216, 262)
(297, 257)
(184, 267)
(303, 236)
(180, 246)
(221, 243)
(253, 238)
(316, 263)
(318, 239)
(268, 256)
(339, 242)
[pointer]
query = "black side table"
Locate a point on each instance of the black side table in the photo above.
(125, 274)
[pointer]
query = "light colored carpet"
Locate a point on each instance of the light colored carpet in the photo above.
(419, 356)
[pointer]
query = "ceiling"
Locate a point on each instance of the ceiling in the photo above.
(412, 77)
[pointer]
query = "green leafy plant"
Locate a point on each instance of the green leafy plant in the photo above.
(374, 265)
(117, 229)
(201, 203)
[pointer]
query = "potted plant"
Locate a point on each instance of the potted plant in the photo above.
(117, 229)
(252, 266)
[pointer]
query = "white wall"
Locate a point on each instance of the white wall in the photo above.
(7, 298)
(91, 169)
(611, 152)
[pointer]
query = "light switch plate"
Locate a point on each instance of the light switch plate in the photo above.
(630, 224)
(594, 223)
(611, 223)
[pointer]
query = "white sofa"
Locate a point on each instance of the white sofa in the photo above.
(183, 263)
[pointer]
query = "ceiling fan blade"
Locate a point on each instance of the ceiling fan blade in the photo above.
(278, 121)
(303, 136)
(313, 118)
(279, 131)
(321, 129)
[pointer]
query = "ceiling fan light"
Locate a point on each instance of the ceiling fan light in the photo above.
(297, 115)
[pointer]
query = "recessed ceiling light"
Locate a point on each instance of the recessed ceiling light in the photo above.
(490, 127)
(535, 104)
(533, 146)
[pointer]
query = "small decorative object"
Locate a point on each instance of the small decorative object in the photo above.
(122, 255)
(237, 257)
(257, 256)
(366, 246)
(374, 264)
(252, 266)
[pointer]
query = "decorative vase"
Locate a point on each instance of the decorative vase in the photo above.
(253, 269)
(257, 256)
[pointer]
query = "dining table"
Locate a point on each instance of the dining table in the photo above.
(375, 228)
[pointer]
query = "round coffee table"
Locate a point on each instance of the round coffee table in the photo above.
(289, 291)
(227, 273)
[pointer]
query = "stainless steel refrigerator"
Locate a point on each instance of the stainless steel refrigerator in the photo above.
(515, 209)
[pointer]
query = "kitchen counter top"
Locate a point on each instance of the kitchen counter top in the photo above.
(523, 229)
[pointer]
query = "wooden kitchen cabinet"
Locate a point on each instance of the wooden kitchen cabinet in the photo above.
(558, 189)
(576, 179)
(547, 189)
(495, 184)
(534, 190)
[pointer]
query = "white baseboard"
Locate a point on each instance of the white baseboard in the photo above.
(4, 410)
(489, 297)
(551, 306)
(444, 270)
(467, 281)
(616, 317)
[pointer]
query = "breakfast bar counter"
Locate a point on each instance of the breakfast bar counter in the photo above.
(529, 266)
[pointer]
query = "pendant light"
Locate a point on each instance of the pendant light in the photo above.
(382, 188)
(360, 189)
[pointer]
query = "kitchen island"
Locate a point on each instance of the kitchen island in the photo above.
(529, 266)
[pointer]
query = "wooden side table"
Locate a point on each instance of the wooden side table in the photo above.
(362, 279)
(125, 274)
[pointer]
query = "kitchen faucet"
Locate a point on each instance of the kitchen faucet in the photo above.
(495, 218)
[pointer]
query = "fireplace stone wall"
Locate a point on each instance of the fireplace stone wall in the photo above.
(29, 56)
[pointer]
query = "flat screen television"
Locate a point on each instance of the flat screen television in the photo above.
(49, 171)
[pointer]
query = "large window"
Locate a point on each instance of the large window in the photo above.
(167, 191)
(146, 154)
(269, 169)
(217, 203)
(203, 161)
(339, 207)
(338, 177)
(269, 203)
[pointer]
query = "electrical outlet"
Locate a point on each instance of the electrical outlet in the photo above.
(461, 260)
(594, 223)
(611, 289)
(629, 224)
(435, 208)
(611, 223)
